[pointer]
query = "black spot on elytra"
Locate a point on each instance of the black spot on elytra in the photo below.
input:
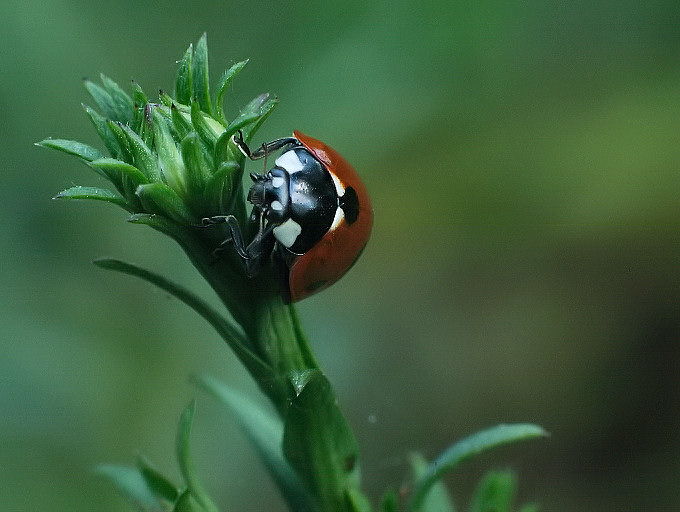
(349, 203)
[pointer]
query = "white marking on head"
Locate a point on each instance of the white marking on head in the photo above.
(287, 233)
(338, 186)
(290, 162)
(277, 181)
(276, 206)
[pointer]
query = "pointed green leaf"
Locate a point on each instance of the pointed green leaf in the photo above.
(98, 194)
(265, 106)
(181, 122)
(186, 503)
(105, 133)
(120, 100)
(226, 329)
(140, 100)
(255, 104)
(145, 127)
(103, 99)
(203, 129)
(265, 432)
(200, 75)
(132, 486)
(223, 187)
(159, 223)
(437, 498)
(118, 171)
(142, 157)
(161, 199)
(222, 86)
(186, 463)
(72, 147)
(317, 441)
(184, 90)
(156, 482)
(118, 132)
(138, 96)
(169, 157)
(195, 163)
(166, 100)
(469, 447)
(495, 492)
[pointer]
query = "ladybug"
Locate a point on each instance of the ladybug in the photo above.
(313, 211)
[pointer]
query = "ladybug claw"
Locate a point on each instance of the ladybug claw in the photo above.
(209, 221)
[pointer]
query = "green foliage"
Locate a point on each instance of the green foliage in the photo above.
(265, 432)
(162, 155)
(317, 442)
(465, 449)
(435, 498)
(171, 164)
(148, 490)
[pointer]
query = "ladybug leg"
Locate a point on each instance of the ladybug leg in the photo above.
(265, 149)
(256, 254)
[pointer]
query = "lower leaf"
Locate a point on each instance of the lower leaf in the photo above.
(96, 193)
(467, 448)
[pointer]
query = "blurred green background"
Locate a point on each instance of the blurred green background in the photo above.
(524, 163)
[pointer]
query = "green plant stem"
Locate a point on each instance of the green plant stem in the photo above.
(321, 444)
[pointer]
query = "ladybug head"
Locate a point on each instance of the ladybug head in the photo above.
(270, 194)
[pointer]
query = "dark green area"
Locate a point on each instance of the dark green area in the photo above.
(524, 165)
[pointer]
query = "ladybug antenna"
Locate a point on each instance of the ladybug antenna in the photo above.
(265, 150)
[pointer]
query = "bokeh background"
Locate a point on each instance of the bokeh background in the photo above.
(524, 163)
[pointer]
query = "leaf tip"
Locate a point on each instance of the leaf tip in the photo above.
(107, 263)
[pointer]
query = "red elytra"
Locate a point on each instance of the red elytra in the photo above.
(340, 247)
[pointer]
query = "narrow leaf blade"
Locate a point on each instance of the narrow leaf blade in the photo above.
(265, 432)
(203, 129)
(169, 158)
(229, 333)
(142, 156)
(200, 75)
(186, 503)
(72, 147)
(95, 193)
(103, 99)
(182, 126)
(222, 87)
(183, 83)
(105, 133)
(156, 482)
(120, 100)
(140, 100)
(469, 447)
(161, 199)
(195, 163)
(495, 492)
(117, 170)
(438, 498)
(224, 186)
(130, 483)
(264, 109)
(186, 463)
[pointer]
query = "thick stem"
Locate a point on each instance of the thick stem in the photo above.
(321, 446)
